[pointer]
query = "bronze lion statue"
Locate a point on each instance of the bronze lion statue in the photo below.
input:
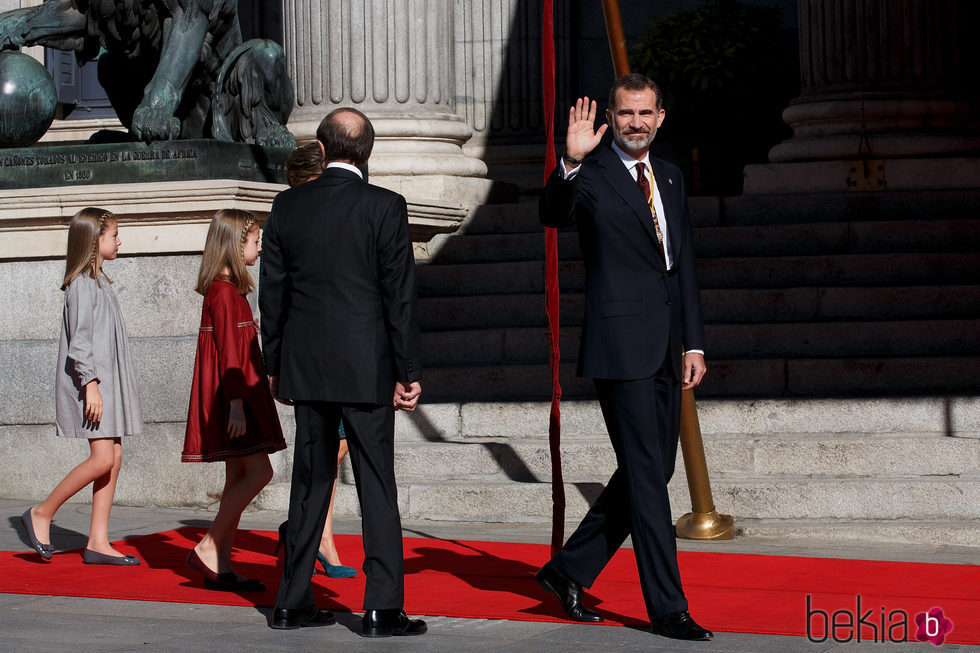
(171, 68)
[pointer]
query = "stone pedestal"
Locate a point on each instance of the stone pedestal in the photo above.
(395, 62)
(169, 217)
(157, 217)
(882, 81)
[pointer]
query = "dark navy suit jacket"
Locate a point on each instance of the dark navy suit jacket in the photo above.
(636, 311)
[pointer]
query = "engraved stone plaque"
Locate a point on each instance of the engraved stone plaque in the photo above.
(118, 163)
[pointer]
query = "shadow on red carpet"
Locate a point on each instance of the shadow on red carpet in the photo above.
(727, 592)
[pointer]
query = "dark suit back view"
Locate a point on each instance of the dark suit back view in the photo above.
(339, 328)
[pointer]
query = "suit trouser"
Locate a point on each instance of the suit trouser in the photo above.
(643, 421)
(370, 439)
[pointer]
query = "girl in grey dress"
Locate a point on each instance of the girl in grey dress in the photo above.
(96, 396)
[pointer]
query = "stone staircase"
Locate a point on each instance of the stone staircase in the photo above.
(844, 371)
(809, 296)
(889, 469)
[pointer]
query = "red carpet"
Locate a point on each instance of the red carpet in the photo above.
(727, 591)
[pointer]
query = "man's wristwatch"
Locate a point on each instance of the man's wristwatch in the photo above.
(569, 160)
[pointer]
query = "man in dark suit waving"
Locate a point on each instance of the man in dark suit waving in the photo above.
(340, 338)
(642, 311)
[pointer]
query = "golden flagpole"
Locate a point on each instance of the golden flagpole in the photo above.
(703, 522)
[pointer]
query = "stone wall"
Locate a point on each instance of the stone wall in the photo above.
(162, 314)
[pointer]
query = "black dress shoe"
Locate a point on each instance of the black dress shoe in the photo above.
(680, 625)
(385, 623)
(292, 618)
(569, 593)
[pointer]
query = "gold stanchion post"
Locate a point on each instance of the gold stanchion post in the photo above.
(703, 522)
(617, 41)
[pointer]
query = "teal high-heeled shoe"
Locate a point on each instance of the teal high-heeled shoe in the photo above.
(334, 571)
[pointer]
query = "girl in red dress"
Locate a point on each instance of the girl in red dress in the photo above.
(232, 415)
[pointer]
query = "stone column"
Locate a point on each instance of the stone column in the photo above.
(395, 62)
(882, 81)
(498, 82)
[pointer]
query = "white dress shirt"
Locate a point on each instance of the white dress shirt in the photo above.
(345, 166)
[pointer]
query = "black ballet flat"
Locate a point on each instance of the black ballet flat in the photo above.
(229, 582)
(226, 581)
(91, 557)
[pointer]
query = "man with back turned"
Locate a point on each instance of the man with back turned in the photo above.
(340, 339)
(642, 342)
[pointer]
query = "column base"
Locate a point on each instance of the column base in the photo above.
(838, 177)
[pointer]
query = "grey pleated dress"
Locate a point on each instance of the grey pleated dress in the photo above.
(94, 346)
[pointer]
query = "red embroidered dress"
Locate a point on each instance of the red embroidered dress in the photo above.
(228, 365)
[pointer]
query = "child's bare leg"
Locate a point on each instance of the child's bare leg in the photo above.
(96, 465)
(207, 548)
(327, 546)
(245, 478)
(103, 490)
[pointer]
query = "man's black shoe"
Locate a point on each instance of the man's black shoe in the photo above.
(385, 623)
(292, 618)
(569, 593)
(680, 625)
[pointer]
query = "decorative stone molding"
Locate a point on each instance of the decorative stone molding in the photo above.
(79, 131)
(886, 87)
(395, 62)
(881, 80)
(158, 218)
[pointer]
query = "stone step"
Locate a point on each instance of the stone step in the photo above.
(763, 241)
(518, 277)
(888, 499)
(757, 456)
(752, 305)
(841, 270)
(838, 207)
(761, 305)
(745, 210)
(823, 238)
(858, 377)
(524, 345)
(523, 217)
(941, 533)
(484, 248)
(904, 417)
(778, 377)
(503, 219)
(864, 270)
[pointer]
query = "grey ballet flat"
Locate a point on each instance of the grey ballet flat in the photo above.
(91, 557)
(43, 550)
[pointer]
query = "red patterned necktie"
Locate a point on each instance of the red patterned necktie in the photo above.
(644, 184)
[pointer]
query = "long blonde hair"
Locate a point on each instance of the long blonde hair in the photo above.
(83, 244)
(224, 248)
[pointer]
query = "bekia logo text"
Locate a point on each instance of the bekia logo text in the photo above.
(876, 625)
